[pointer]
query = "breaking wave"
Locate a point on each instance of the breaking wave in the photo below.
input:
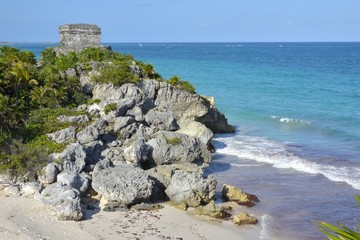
(261, 149)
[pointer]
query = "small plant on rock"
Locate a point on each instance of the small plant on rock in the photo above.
(110, 107)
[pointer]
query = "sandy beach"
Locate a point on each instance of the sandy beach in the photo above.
(25, 218)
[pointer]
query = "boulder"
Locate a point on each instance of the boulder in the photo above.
(137, 153)
(64, 198)
(92, 132)
(93, 151)
(128, 131)
(235, 194)
(122, 106)
(244, 219)
(72, 159)
(196, 129)
(110, 93)
(121, 122)
(124, 183)
(136, 113)
(78, 181)
(102, 164)
(48, 174)
(70, 72)
(213, 211)
(149, 88)
(144, 132)
(216, 121)
(163, 173)
(74, 119)
(190, 188)
(161, 120)
(182, 103)
(64, 135)
(172, 147)
(30, 188)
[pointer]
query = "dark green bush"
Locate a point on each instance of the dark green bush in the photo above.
(23, 161)
(182, 84)
(45, 120)
(117, 73)
(92, 101)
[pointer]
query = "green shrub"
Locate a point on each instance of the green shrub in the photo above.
(22, 160)
(117, 73)
(173, 141)
(45, 120)
(63, 62)
(110, 107)
(92, 101)
(182, 84)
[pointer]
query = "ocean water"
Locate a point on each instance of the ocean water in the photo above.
(296, 107)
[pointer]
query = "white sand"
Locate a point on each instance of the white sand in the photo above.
(23, 218)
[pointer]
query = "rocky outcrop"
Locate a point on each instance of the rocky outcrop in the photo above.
(191, 189)
(64, 135)
(244, 219)
(72, 159)
(92, 132)
(172, 147)
(48, 174)
(124, 184)
(235, 194)
(213, 211)
(161, 120)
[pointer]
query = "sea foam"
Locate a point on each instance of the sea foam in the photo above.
(261, 149)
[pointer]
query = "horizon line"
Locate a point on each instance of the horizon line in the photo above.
(153, 42)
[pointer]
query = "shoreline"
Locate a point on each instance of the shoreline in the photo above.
(26, 218)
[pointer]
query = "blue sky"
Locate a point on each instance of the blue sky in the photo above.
(185, 20)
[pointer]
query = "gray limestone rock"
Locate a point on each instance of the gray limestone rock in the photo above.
(121, 122)
(196, 129)
(136, 113)
(28, 189)
(103, 164)
(144, 132)
(137, 153)
(93, 152)
(48, 174)
(72, 159)
(78, 181)
(92, 132)
(160, 119)
(173, 147)
(182, 103)
(70, 72)
(64, 135)
(124, 183)
(74, 119)
(191, 189)
(64, 198)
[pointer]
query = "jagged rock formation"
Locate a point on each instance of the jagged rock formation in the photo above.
(150, 145)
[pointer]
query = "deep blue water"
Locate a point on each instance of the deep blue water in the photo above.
(297, 110)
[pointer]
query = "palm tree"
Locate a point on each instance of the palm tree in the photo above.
(22, 76)
(340, 232)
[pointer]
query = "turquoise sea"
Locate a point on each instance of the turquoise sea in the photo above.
(296, 107)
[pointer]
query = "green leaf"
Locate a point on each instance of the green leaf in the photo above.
(357, 198)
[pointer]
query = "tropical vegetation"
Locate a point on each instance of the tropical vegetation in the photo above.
(34, 93)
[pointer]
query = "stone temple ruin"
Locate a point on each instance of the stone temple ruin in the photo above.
(76, 37)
